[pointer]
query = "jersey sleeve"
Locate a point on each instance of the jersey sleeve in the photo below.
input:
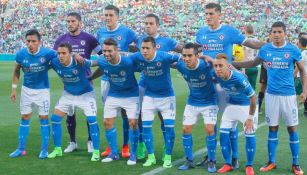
(18, 58)
(56, 44)
(131, 36)
(197, 39)
(247, 87)
(172, 43)
(172, 58)
(236, 35)
(261, 54)
(95, 44)
(297, 55)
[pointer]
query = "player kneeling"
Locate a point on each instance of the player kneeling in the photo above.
(241, 107)
(78, 92)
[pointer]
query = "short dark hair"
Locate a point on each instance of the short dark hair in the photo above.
(301, 34)
(66, 45)
(249, 29)
(150, 39)
(215, 6)
(151, 15)
(33, 32)
(279, 24)
(303, 41)
(76, 15)
(110, 42)
(112, 7)
(192, 46)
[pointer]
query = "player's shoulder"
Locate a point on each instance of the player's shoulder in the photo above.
(202, 30)
(22, 51)
(237, 75)
(102, 30)
(293, 47)
(87, 35)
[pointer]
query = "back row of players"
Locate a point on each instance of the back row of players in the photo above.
(121, 92)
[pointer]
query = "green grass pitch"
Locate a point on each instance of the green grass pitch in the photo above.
(79, 161)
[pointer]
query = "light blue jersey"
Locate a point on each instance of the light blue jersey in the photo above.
(74, 76)
(157, 73)
(280, 67)
(165, 44)
(121, 77)
(35, 67)
(220, 40)
(202, 92)
(237, 88)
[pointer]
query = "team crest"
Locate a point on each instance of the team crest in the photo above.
(202, 76)
(82, 42)
(159, 64)
(233, 88)
(205, 46)
(269, 64)
(42, 60)
(158, 46)
(287, 55)
(122, 73)
(75, 71)
(221, 37)
(119, 38)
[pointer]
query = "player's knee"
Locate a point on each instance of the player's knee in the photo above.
(187, 129)
(108, 124)
(133, 124)
(291, 129)
(26, 116)
(273, 128)
(43, 116)
(210, 129)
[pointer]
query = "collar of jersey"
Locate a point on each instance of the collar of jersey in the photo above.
(280, 46)
(152, 58)
(231, 72)
(213, 30)
(198, 62)
(39, 48)
(120, 59)
(71, 60)
(118, 25)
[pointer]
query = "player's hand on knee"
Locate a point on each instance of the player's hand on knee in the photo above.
(13, 95)
(303, 97)
(249, 126)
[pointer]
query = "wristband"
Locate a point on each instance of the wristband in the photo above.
(14, 86)
(251, 117)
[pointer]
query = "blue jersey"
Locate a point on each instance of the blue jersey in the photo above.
(157, 73)
(280, 67)
(74, 76)
(121, 77)
(165, 44)
(202, 92)
(35, 67)
(123, 35)
(220, 40)
(237, 88)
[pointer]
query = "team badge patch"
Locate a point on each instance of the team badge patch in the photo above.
(75, 71)
(158, 46)
(221, 37)
(205, 46)
(269, 64)
(119, 38)
(82, 42)
(159, 64)
(287, 55)
(122, 73)
(202, 76)
(42, 60)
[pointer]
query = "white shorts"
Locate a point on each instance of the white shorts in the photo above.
(86, 102)
(165, 105)
(281, 106)
(105, 86)
(235, 113)
(191, 113)
(34, 98)
(113, 106)
(222, 97)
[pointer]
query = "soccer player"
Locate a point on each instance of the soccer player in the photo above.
(202, 101)
(219, 38)
(241, 107)
(163, 43)
(158, 97)
(124, 36)
(280, 101)
(34, 61)
(123, 94)
(83, 44)
(78, 92)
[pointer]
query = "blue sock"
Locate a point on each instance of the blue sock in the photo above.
(141, 132)
(162, 126)
(23, 133)
(94, 131)
(250, 148)
(169, 135)
(45, 133)
(272, 145)
(225, 144)
(111, 137)
(234, 142)
(211, 146)
(56, 130)
(148, 137)
(294, 146)
(187, 141)
(134, 139)
(125, 129)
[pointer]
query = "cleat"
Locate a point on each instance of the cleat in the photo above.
(110, 158)
(125, 151)
(43, 154)
(90, 148)
(297, 170)
(249, 170)
(211, 167)
(187, 165)
(163, 154)
(235, 163)
(132, 160)
(57, 152)
(268, 167)
(167, 161)
(95, 156)
(203, 162)
(151, 160)
(226, 168)
(18, 153)
(73, 146)
(141, 150)
(107, 152)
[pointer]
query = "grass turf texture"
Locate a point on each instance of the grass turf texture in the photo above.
(79, 162)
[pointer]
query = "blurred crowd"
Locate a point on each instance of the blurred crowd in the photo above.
(180, 19)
